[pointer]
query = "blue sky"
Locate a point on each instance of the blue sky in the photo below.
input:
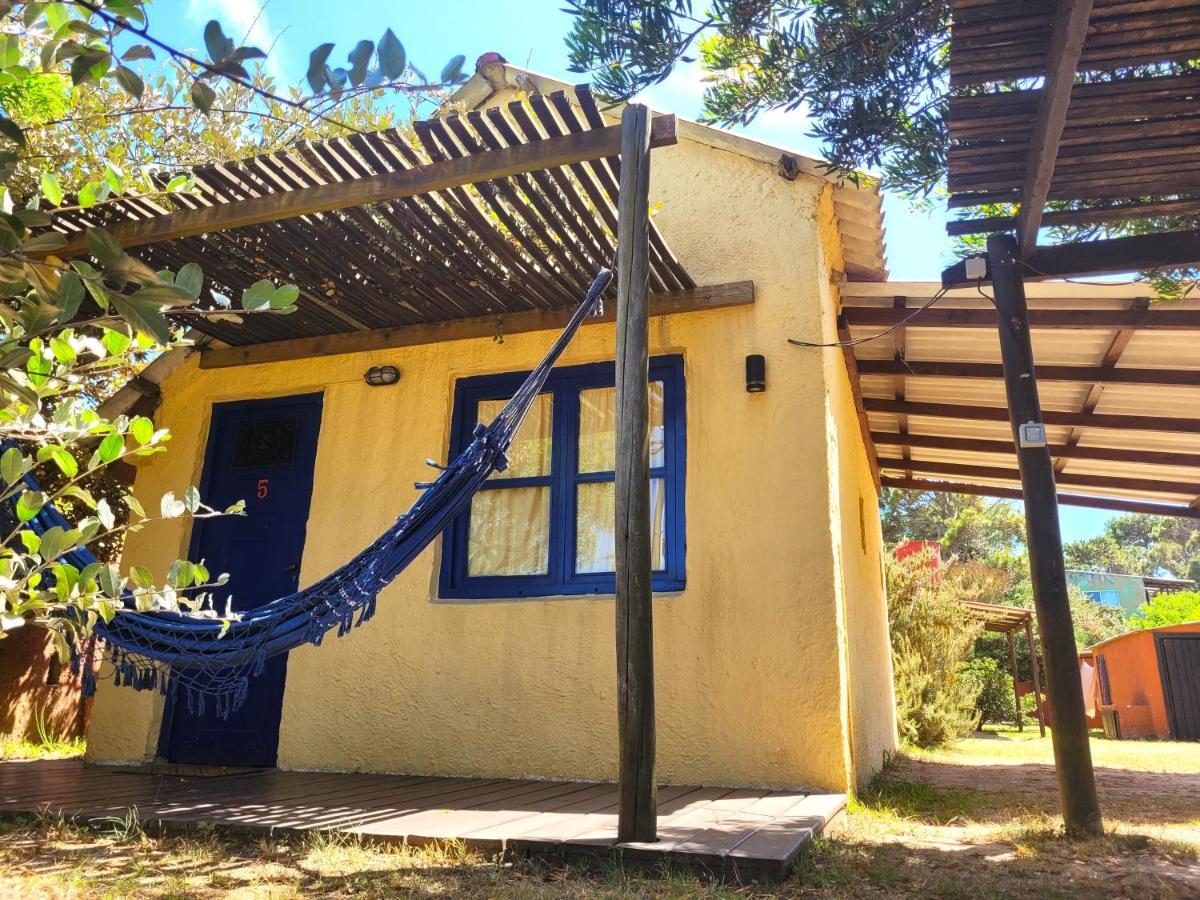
(528, 33)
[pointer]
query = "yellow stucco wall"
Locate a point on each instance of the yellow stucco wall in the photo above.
(751, 658)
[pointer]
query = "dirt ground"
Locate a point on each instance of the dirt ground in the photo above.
(974, 820)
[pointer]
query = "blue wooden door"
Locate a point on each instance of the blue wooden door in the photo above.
(262, 452)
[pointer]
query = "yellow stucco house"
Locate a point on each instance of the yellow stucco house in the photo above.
(493, 653)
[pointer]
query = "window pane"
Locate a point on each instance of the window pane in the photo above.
(595, 544)
(510, 532)
(598, 428)
(530, 450)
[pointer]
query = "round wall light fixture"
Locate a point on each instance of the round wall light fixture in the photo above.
(379, 376)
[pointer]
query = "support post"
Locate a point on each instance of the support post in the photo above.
(1012, 662)
(1072, 750)
(637, 815)
(1037, 677)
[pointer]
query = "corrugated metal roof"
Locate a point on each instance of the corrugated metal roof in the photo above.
(952, 430)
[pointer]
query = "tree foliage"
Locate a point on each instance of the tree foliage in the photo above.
(872, 78)
(95, 110)
(931, 640)
(1137, 544)
(1167, 609)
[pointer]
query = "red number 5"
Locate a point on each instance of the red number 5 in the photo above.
(262, 488)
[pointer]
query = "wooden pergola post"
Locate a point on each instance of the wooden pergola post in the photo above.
(1072, 750)
(637, 809)
(1012, 662)
(1037, 677)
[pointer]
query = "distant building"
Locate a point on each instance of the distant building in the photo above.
(1125, 591)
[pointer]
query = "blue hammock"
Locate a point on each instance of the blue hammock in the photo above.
(207, 657)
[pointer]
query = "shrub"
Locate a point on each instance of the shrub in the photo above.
(931, 638)
(1167, 609)
(994, 686)
(1094, 622)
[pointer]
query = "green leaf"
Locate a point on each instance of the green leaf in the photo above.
(191, 279)
(142, 576)
(89, 65)
(215, 41)
(109, 580)
(105, 514)
(284, 296)
(103, 246)
(53, 542)
(70, 294)
(258, 295)
(12, 131)
(146, 317)
(46, 242)
(203, 96)
(51, 189)
(12, 465)
(316, 68)
(31, 541)
(110, 448)
(135, 506)
(142, 429)
(453, 69)
(92, 193)
(116, 342)
(130, 82)
(66, 463)
(392, 59)
(171, 507)
(191, 499)
(177, 183)
(359, 58)
(163, 295)
(137, 51)
(28, 504)
(81, 494)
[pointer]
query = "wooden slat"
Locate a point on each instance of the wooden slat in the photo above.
(738, 293)
(558, 151)
(1138, 253)
(997, 473)
(1093, 374)
(1014, 493)
(1120, 422)
(1067, 451)
(852, 372)
(943, 316)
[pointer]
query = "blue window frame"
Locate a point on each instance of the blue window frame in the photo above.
(544, 526)
(1104, 597)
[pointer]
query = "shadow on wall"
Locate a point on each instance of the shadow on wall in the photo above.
(33, 685)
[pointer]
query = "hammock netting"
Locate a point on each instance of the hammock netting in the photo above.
(209, 659)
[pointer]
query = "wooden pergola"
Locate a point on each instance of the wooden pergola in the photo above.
(1104, 118)
(490, 223)
(1010, 621)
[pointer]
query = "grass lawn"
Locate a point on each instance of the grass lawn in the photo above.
(973, 820)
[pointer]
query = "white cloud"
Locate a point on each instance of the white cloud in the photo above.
(245, 22)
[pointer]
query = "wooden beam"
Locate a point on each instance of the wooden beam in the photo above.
(1011, 493)
(1066, 46)
(1016, 680)
(548, 153)
(1079, 479)
(864, 425)
(1115, 213)
(1043, 540)
(716, 296)
(1036, 669)
(1058, 451)
(637, 814)
(1168, 424)
(1091, 374)
(1138, 253)
(980, 317)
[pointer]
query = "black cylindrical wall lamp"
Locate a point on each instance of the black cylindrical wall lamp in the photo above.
(756, 373)
(378, 376)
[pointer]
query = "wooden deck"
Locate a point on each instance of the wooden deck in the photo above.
(730, 834)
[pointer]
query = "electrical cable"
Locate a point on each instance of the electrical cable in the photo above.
(874, 337)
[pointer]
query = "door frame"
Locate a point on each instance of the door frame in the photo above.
(219, 408)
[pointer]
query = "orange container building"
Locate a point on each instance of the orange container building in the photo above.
(1148, 682)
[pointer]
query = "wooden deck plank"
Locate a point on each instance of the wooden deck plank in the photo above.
(728, 832)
